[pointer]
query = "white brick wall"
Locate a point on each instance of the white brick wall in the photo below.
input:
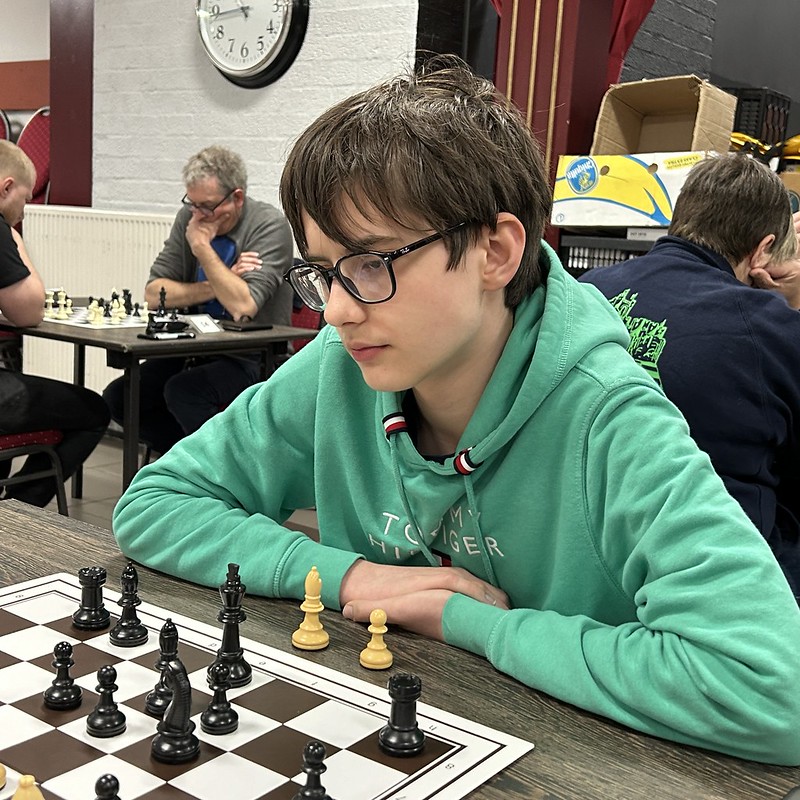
(157, 98)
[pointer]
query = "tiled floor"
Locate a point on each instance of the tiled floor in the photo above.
(102, 486)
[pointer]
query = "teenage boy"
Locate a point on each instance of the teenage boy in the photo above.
(471, 404)
(725, 352)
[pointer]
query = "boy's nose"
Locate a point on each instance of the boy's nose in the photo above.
(341, 307)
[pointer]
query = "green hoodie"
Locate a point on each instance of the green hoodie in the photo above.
(639, 589)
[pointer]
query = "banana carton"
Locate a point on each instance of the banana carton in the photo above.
(637, 189)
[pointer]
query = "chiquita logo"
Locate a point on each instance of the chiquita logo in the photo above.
(582, 175)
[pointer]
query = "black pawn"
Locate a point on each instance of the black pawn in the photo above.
(92, 614)
(64, 693)
(106, 719)
(230, 652)
(220, 717)
(129, 631)
(136, 312)
(313, 756)
(158, 699)
(106, 788)
(402, 736)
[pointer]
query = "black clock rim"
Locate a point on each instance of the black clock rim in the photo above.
(285, 58)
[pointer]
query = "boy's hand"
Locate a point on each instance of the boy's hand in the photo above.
(783, 277)
(412, 597)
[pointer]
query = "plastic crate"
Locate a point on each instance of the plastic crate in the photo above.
(761, 113)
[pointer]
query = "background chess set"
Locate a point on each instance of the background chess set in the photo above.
(121, 309)
(289, 702)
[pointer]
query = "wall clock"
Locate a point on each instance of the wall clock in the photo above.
(252, 42)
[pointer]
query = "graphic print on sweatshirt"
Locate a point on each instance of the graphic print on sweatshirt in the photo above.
(648, 338)
(454, 536)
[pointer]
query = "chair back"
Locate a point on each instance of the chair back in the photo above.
(304, 317)
(16, 445)
(34, 139)
(5, 125)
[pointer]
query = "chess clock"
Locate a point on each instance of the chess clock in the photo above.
(252, 42)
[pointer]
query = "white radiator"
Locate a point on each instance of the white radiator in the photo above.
(88, 252)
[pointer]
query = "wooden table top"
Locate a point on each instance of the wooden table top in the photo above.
(126, 339)
(578, 756)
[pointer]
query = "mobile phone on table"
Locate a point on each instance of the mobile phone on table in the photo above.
(244, 325)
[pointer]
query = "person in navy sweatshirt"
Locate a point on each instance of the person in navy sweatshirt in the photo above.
(725, 351)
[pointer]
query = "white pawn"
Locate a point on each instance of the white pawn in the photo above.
(143, 309)
(27, 789)
(311, 635)
(62, 305)
(70, 312)
(48, 304)
(376, 654)
(115, 315)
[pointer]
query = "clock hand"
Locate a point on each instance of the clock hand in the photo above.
(243, 9)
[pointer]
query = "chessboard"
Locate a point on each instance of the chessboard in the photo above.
(289, 702)
(118, 310)
(80, 316)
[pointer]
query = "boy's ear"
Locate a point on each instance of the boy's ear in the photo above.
(6, 185)
(761, 257)
(504, 246)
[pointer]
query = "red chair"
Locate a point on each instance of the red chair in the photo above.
(10, 350)
(304, 317)
(5, 125)
(14, 445)
(34, 139)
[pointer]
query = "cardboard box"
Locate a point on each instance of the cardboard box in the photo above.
(792, 182)
(620, 190)
(680, 113)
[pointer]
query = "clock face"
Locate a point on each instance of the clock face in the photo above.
(252, 42)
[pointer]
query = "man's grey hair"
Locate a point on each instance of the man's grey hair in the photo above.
(217, 162)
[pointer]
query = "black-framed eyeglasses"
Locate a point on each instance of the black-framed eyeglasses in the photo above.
(368, 277)
(207, 210)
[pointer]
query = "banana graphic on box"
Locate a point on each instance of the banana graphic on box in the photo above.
(632, 183)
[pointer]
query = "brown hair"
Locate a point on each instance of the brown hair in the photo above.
(438, 146)
(729, 203)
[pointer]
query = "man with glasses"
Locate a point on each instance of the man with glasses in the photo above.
(226, 256)
(489, 465)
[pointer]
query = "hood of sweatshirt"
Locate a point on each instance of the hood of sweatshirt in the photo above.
(553, 330)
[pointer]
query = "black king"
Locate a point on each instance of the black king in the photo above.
(231, 614)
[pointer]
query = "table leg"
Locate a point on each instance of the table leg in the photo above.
(79, 379)
(130, 428)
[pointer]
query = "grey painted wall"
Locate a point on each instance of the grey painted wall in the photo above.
(756, 44)
(676, 38)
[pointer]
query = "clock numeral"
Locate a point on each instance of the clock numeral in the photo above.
(260, 44)
(214, 13)
(219, 33)
(270, 28)
(233, 42)
(244, 51)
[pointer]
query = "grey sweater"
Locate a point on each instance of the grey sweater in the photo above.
(263, 229)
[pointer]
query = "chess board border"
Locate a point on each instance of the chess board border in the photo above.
(479, 752)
